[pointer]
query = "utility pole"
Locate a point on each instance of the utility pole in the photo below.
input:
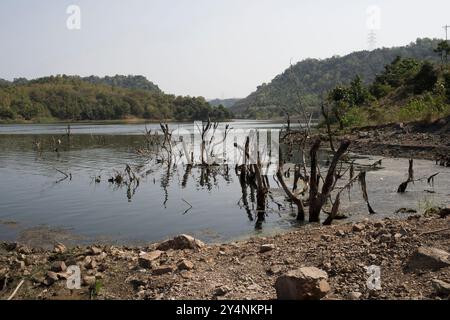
(446, 27)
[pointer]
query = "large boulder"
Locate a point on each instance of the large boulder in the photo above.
(182, 241)
(307, 283)
(428, 258)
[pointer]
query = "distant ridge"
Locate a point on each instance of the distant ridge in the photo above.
(311, 78)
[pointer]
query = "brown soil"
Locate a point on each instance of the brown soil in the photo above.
(240, 270)
(426, 140)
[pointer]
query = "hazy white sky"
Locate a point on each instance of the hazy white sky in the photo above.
(212, 48)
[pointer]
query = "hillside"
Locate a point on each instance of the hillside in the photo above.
(112, 98)
(312, 78)
(406, 90)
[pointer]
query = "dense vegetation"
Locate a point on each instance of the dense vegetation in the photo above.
(120, 97)
(227, 103)
(311, 79)
(406, 90)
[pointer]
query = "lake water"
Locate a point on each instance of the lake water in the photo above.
(36, 200)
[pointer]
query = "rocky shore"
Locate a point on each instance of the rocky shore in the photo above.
(315, 262)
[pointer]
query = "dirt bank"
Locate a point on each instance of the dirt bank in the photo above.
(241, 270)
(425, 140)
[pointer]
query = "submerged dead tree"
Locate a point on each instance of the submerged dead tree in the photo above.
(318, 199)
(402, 187)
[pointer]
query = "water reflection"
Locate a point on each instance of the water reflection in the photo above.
(67, 183)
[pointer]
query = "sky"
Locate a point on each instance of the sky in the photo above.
(210, 48)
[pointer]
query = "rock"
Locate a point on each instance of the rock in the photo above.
(266, 247)
(51, 278)
(429, 258)
(221, 291)
(354, 295)
(95, 250)
(23, 250)
(185, 265)
(19, 264)
(162, 270)
(441, 287)
(90, 263)
(340, 233)
(180, 242)
(89, 281)
(358, 227)
(145, 260)
(58, 266)
(274, 270)
(379, 224)
(59, 248)
(385, 237)
(307, 283)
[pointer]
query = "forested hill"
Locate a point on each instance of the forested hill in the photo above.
(112, 98)
(129, 82)
(312, 78)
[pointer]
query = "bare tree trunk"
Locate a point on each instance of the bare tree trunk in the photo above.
(316, 199)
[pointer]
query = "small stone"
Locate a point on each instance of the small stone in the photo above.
(441, 287)
(23, 250)
(379, 224)
(162, 270)
(59, 248)
(221, 291)
(274, 270)
(51, 278)
(358, 227)
(354, 295)
(19, 264)
(185, 265)
(95, 250)
(90, 263)
(89, 281)
(266, 248)
(58, 266)
(340, 233)
(145, 260)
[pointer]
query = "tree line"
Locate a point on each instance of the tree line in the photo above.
(111, 98)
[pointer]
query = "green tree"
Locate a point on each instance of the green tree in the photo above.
(443, 49)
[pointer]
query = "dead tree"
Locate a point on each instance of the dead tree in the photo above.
(318, 199)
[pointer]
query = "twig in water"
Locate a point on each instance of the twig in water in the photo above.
(190, 206)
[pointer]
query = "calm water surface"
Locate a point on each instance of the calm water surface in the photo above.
(34, 193)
